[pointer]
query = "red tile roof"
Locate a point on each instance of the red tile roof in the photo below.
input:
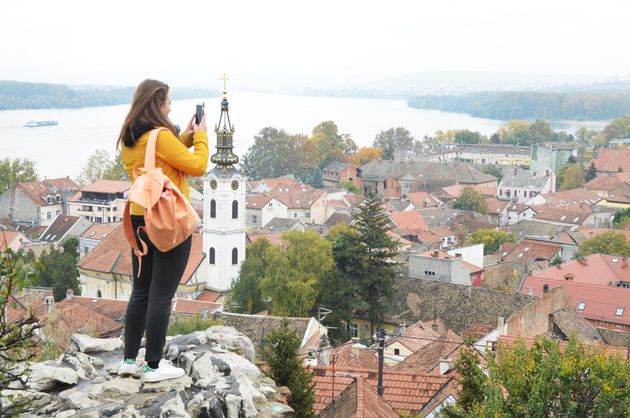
(274, 237)
(37, 191)
(572, 197)
(209, 296)
(7, 238)
(194, 307)
(114, 309)
(360, 400)
(606, 183)
(422, 200)
(592, 281)
(484, 189)
(358, 358)
(496, 206)
(570, 215)
(427, 358)
(99, 231)
(506, 341)
(415, 337)
(113, 254)
(108, 186)
(405, 392)
(298, 197)
(258, 200)
(620, 194)
(612, 159)
(593, 232)
(528, 251)
(411, 219)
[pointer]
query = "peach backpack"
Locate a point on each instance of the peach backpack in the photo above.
(169, 217)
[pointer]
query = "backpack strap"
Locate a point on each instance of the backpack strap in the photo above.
(131, 236)
(149, 156)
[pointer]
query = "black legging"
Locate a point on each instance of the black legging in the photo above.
(152, 294)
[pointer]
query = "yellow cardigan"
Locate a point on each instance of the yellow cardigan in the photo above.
(171, 153)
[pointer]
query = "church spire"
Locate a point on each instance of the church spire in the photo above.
(224, 157)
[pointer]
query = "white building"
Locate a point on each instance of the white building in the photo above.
(224, 210)
(520, 185)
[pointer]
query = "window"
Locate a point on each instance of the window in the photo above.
(48, 215)
(295, 214)
(254, 219)
(211, 256)
(507, 193)
(308, 214)
(234, 256)
(500, 192)
(87, 249)
(429, 273)
(354, 330)
(99, 294)
(270, 204)
(619, 312)
(581, 306)
(234, 209)
(213, 208)
(396, 351)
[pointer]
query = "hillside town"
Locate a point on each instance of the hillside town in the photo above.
(486, 245)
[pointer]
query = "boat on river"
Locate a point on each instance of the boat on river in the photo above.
(40, 123)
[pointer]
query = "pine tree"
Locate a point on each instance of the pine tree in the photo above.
(281, 353)
(375, 280)
(591, 173)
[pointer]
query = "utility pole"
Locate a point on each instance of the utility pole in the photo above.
(380, 338)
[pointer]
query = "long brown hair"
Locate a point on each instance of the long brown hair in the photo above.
(145, 112)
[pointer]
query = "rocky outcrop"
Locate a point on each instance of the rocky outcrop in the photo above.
(221, 381)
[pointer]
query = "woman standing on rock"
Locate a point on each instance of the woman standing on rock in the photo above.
(153, 290)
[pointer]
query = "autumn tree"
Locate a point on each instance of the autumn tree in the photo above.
(465, 136)
(272, 155)
(549, 380)
(330, 145)
(16, 171)
(621, 218)
(391, 140)
(572, 176)
(611, 243)
(376, 270)
(364, 155)
(490, 238)
(471, 200)
(280, 352)
(293, 275)
(493, 170)
(245, 295)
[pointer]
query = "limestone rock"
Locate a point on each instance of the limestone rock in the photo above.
(130, 412)
(76, 399)
(90, 345)
(119, 386)
(174, 408)
(171, 385)
(16, 397)
(65, 414)
(45, 375)
(233, 340)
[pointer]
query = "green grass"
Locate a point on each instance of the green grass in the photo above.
(186, 325)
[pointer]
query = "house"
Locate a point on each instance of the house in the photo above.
(520, 185)
(105, 272)
(529, 251)
(566, 198)
(358, 400)
(436, 357)
(618, 197)
(422, 200)
(354, 355)
(450, 193)
(336, 172)
(267, 185)
(37, 203)
(552, 156)
(262, 208)
(598, 287)
(393, 179)
(303, 202)
(285, 224)
(603, 184)
(436, 238)
(410, 220)
(410, 340)
(519, 212)
(64, 227)
(444, 267)
(102, 201)
(93, 236)
(498, 210)
(13, 240)
(406, 392)
(338, 218)
(611, 160)
(498, 154)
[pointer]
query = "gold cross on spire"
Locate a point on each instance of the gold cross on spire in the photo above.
(225, 80)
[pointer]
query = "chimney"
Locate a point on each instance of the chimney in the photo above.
(49, 303)
(533, 174)
(436, 253)
(324, 347)
(69, 294)
(445, 365)
(583, 261)
(624, 262)
(545, 288)
(501, 326)
(457, 255)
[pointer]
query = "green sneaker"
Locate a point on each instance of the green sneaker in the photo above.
(128, 368)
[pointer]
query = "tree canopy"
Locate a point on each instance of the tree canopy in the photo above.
(611, 243)
(58, 268)
(16, 171)
(571, 176)
(100, 166)
(471, 200)
(364, 155)
(490, 238)
(391, 140)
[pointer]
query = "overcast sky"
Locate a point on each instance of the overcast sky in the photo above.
(120, 42)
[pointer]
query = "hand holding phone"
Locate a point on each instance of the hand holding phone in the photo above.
(199, 112)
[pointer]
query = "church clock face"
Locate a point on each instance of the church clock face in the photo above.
(213, 184)
(234, 184)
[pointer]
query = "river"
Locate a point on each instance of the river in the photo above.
(62, 150)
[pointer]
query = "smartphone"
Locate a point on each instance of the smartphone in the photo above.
(199, 113)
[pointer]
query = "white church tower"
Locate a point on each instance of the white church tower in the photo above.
(223, 209)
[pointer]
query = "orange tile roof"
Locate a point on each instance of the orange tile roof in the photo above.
(338, 203)
(411, 219)
(209, 296)
(99, 231)
(456, 190)
(279, 182)
(274, 237)
(37, 191)
(612, 159)
(113, 255)
(415, 337)
(593, 232)
(422, 200)
(405, 392)
(606, 183)
(620, 194)
(565, 215)
(346, 356)
(427, 358)
(298, 197)
(114, 309)
(194, 307)
(528, 251)
(572, 197)
(108, 186)
(496, 206)
(258, 200)
(7, 238)
(359, 400)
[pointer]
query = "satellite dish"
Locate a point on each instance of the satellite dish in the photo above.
(574, 152)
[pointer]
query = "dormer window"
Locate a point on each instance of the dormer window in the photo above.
(581, 306)
(619, 312)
